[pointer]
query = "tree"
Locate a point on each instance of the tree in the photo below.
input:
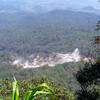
(89, 80)
(89, 76)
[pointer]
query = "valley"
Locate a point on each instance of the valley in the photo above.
(50, 49)
(54, 46)
(59, 31)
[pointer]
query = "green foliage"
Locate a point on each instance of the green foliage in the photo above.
(39, 92)
(31, 95)
(57, 31)
(88, 78)
(62, 74)
(35, 92)
(15, 92)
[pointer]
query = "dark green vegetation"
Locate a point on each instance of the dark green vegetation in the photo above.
(33, 94)
(28, 90)
(56, 31)
(60, 74)
(89, 76)
(89, 80)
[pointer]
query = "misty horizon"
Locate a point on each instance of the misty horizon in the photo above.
(47, 5)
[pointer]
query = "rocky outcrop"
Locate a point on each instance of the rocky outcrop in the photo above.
(52, 59)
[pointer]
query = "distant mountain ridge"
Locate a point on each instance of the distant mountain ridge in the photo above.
(90, 9)
(40, 6)
(55, 16)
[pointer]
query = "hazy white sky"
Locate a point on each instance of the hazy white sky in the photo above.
(54, 3)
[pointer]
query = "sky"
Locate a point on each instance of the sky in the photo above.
(49, 4)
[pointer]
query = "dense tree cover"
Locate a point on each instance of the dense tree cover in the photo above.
(89, 76)
(89, 79)
(62, 74)
(28, 85)
(56, 31)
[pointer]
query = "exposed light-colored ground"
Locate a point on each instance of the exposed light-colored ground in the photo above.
(35, 61)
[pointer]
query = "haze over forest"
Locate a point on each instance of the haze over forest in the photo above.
(46, 5)
(46, 39)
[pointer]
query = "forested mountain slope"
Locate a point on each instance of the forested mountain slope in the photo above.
(59, 31)
(62, 74)
(55, 31)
